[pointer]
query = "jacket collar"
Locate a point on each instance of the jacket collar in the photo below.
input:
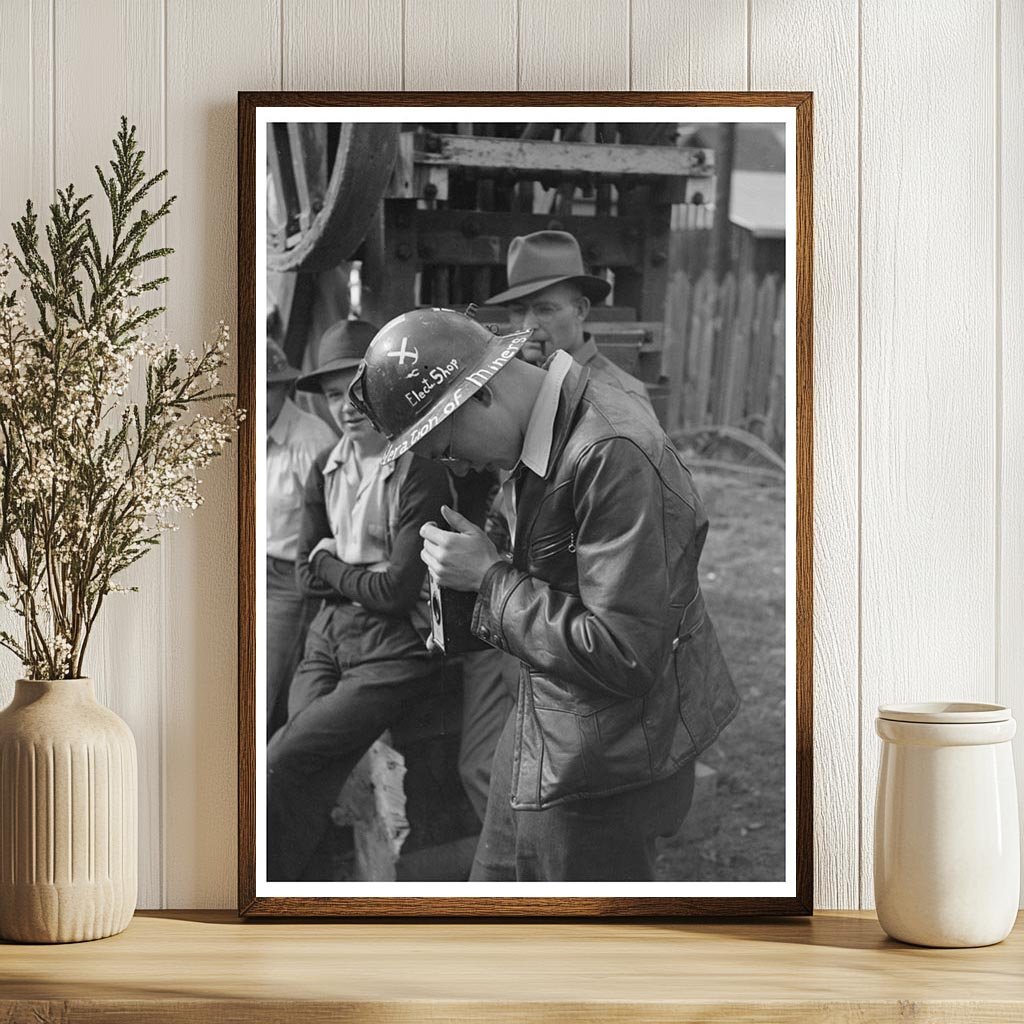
(531, 486)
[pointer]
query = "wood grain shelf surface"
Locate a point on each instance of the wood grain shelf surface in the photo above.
(200, 966)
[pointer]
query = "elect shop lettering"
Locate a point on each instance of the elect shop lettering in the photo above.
(437, 375)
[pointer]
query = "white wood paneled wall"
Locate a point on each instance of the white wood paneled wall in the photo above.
(919, 307)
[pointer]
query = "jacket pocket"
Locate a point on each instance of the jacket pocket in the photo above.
(707, 697)
(554, 543)
(561, 697)
(563, 766)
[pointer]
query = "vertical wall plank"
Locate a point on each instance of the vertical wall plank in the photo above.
(26, 106)
(928, 516)
(814, 46)
(574, 44)
(699, 44)
(1010, 215)
(26, 103)
(213, 50)
(342, 44)
(123, 658)
(468, 45)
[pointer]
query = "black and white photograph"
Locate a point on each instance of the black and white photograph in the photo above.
(525, 503)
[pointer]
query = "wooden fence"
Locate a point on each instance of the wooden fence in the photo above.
(725, 355)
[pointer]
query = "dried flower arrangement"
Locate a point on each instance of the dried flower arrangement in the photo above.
(89, 477)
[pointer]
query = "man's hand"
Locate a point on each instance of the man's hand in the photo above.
(458, 560)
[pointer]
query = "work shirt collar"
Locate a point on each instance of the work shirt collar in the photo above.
(587, 352)
(344, 456)
(540, 431)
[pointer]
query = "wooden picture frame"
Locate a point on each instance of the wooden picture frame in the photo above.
(793, 895)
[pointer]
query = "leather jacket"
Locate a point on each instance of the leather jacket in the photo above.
(622, 680)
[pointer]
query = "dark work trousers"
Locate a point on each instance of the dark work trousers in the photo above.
(488, 686)
(595, 839)
(288, 616)
(360, 672)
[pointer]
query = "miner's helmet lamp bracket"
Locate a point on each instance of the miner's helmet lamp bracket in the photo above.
(470, 313)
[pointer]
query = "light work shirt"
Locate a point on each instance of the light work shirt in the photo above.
(293, 443)
(357, 508)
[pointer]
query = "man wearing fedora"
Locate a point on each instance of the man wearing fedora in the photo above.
(294, 439)
(550, 293)
(365, 660)
(622, 683)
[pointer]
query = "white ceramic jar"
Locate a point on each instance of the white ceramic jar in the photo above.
(947, 847)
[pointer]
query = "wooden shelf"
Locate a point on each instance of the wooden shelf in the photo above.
(208, 966)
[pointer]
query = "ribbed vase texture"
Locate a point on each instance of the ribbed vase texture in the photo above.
(68, 815)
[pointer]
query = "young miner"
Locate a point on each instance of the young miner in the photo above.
(365, 663)
(622, 682)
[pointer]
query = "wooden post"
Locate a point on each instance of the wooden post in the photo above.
(724, 155)
(391, 262)
(644, 286)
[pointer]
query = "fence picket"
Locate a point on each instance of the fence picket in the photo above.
(777, 389)
(674, 352)
(725, 316)
(700, 351)
(737, 356)
(724, 354)
(761, 351)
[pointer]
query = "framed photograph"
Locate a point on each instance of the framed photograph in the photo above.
(525, 504)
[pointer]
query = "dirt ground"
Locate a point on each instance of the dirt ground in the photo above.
(743, 573)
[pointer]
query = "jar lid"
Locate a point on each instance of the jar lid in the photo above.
(945, 713)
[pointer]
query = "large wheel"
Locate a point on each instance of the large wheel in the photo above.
(325, 182)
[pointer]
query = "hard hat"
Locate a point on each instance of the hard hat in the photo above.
(421, 367)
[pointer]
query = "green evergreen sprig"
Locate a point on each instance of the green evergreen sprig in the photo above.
(89, 477)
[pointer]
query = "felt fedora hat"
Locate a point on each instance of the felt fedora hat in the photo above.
(342, 347)
(546, 258)
(279, 370)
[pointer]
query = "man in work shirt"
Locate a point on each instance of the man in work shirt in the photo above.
(365, 663)
(622, 683)
(294, 439)
(550, 293)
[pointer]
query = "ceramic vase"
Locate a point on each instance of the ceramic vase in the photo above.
(947, 847)
(68, 815)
